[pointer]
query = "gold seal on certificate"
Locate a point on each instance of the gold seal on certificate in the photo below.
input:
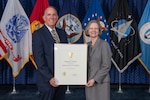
(70, 64)
(64, 73)
(70, 54)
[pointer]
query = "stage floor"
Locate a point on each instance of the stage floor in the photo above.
(29, 92)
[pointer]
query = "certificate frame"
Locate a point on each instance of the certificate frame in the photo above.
(70, 64)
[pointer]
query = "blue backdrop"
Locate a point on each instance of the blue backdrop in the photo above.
(135, 74)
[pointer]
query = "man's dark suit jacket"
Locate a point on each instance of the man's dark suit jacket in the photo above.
(43, 52)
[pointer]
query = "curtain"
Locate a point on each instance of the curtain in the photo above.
(134, 74)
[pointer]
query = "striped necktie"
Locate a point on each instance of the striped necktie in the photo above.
(55, 36)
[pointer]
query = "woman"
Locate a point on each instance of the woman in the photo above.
(99, 64)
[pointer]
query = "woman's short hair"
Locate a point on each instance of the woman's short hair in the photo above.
(87, 27)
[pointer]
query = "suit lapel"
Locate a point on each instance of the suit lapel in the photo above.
(93, 49)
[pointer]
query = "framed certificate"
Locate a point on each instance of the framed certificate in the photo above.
(70, 64)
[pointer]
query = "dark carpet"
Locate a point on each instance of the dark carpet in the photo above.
(29, 92)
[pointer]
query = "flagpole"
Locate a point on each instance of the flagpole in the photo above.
(14, 86)
(120, 90)
(149, 88)
(68, 90)
(149, 85)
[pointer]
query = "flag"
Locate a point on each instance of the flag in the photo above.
(144, 34)
(15, 27)
(36, 17)
(95, 12)
(124, 36)
(3, 49)
(68, 21)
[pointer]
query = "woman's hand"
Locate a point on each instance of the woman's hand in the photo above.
(90, 83)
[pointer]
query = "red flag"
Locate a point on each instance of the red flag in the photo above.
(36, 19)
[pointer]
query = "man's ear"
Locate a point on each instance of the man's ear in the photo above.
(43, 18)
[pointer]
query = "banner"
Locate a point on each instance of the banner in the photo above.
(15, 27)
(95, 12)
(124, 36)
(68, 21)
(144, 33)
(36, 17)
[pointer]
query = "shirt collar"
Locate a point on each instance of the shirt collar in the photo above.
(50, 29)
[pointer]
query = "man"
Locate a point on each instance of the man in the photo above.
(43, 51)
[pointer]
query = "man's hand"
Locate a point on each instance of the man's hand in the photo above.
(53, 82)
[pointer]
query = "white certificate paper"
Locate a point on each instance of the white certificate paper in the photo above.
(70, 61)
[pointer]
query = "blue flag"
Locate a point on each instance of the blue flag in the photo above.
(95, 13)
(124, 36)
(144, 33)
(68, 21)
